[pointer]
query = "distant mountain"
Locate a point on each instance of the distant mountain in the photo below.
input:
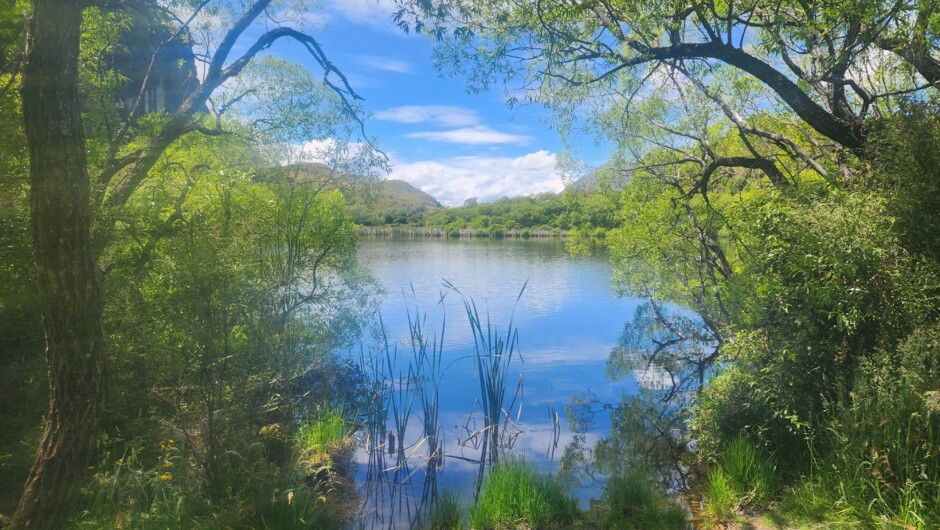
(373, 202)
(608, 177)
(397, 194)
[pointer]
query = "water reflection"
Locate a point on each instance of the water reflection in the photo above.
(668, 352)
(582, 392)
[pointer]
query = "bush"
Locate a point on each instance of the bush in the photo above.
(885, 444)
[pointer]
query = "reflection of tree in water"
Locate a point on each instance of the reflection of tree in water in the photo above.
(668, 352)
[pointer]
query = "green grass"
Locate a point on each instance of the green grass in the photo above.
(517, 496)
(722, 497)
(127, 493)
(751, 472)
(446, 513)
(632, 501)
(746, 477)
(327, 430)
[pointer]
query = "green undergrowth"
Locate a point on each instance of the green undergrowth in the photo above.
(631, 501)
(322, 444)
(129, 493)
(745, 478)
(164, 488)
(875, 459)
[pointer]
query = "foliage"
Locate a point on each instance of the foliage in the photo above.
(22, 388)
(516, 496)
(591, 212)
(129, 492)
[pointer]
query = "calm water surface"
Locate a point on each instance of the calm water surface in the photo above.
(568, 321)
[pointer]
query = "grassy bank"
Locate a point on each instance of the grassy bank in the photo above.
(516, 496)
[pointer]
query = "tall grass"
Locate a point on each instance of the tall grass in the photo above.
(746, 477)
(516, 496)
(326, 431)
(878, 456)
(446, 513)
(632, 501)
(751, 471)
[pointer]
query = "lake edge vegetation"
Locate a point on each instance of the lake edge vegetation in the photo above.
(783, 184)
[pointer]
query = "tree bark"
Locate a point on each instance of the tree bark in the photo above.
(69, 277)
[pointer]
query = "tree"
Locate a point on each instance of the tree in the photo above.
(66, 198)
(832, 65)
(69, 278)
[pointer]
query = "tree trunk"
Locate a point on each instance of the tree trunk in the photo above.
(68, 276)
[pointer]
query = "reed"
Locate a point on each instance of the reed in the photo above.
(494, 352)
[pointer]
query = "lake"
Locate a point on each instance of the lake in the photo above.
(569, 321)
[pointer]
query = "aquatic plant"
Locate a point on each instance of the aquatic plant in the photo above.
(493, 354)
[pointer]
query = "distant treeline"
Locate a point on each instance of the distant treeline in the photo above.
(427, 232)
(541, 215)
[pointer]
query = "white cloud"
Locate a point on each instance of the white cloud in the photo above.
(372, 12)
(477, 135)
(387, 64)
(453, 180)
(321, 151)
(446, 115)
(653, 378)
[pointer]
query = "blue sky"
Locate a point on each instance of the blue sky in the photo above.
(441, 139)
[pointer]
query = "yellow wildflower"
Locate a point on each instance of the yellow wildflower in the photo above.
(166, 476)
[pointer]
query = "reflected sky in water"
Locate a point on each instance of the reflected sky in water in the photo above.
(568, 321)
